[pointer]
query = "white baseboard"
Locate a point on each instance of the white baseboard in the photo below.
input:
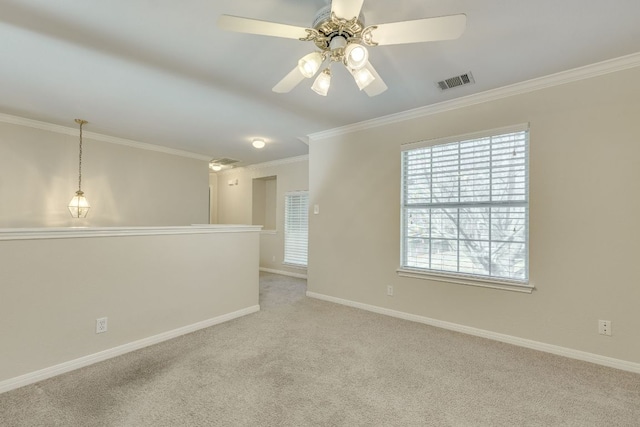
(81, 362)
(284, 273)
(509, 339)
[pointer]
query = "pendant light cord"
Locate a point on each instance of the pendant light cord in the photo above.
(80, 162)
(80, 122)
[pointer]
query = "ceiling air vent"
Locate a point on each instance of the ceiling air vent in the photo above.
(461, 80)
(224, 161)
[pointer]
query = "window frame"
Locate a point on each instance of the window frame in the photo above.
(458, 277)
(289, 262)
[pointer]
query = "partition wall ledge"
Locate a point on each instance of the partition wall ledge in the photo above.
(81, 232)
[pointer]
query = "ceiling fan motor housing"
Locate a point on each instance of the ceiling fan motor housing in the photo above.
(330, 28)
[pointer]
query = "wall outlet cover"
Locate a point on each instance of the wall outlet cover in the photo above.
(101, 325)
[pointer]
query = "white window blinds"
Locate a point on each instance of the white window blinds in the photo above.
(465, 206)
(296, 225)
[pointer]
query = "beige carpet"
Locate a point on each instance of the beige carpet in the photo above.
(301, 362)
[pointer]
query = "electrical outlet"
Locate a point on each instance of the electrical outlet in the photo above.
(390, 290)
(604, 327)
(273, 258)
(101, 325)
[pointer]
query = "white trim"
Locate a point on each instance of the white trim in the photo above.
(269, 232)
(81, 362)
(279, 162)
(563, 77)
(273, 163)
(283, 273)
(461, 279)
(296, 266)
(509, 339)
(78, 232)
(297, 193)
(50, 127)
(523, 127)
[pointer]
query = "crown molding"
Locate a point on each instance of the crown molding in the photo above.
(563, 77)
(273, 163)
(50, 127)
(304, 139)
(279, 162)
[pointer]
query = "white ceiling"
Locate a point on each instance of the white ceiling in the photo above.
(160, 72)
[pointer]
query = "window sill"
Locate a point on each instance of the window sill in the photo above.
(273, 232)
(466, 280)
(298, 266)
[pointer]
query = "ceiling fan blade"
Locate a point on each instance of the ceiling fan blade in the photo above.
(346, 9)
(421, 30)
(290, 81)
(377, 86)
(255, 26)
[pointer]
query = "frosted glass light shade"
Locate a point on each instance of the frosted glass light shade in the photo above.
(363, 77)
(258, 143)
(355, 56)
(310, 64)
(322, 83)
(79, 206)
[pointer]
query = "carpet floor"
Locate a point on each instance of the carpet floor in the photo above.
(306, 362)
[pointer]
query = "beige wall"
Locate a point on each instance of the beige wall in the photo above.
(235, 203)
(584, 207)
(145, 285)
(125, 186)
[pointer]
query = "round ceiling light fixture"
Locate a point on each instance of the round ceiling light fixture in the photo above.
(258, 143)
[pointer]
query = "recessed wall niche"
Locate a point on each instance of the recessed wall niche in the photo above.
(264, 202)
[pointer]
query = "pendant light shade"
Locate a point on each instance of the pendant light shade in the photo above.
(322, 83)
(79, 206)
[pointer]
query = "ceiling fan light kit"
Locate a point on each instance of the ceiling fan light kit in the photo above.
(322, 83)
(363, 77)
(310, 64)
(340, 33)
(356, 56)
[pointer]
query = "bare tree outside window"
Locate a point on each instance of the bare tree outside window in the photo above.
(465, 207)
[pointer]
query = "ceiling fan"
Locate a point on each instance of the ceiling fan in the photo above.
(340, 34)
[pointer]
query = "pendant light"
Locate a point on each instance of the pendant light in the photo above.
(79, 206)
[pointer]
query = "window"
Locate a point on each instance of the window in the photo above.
(296, 226)
(465, 207)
